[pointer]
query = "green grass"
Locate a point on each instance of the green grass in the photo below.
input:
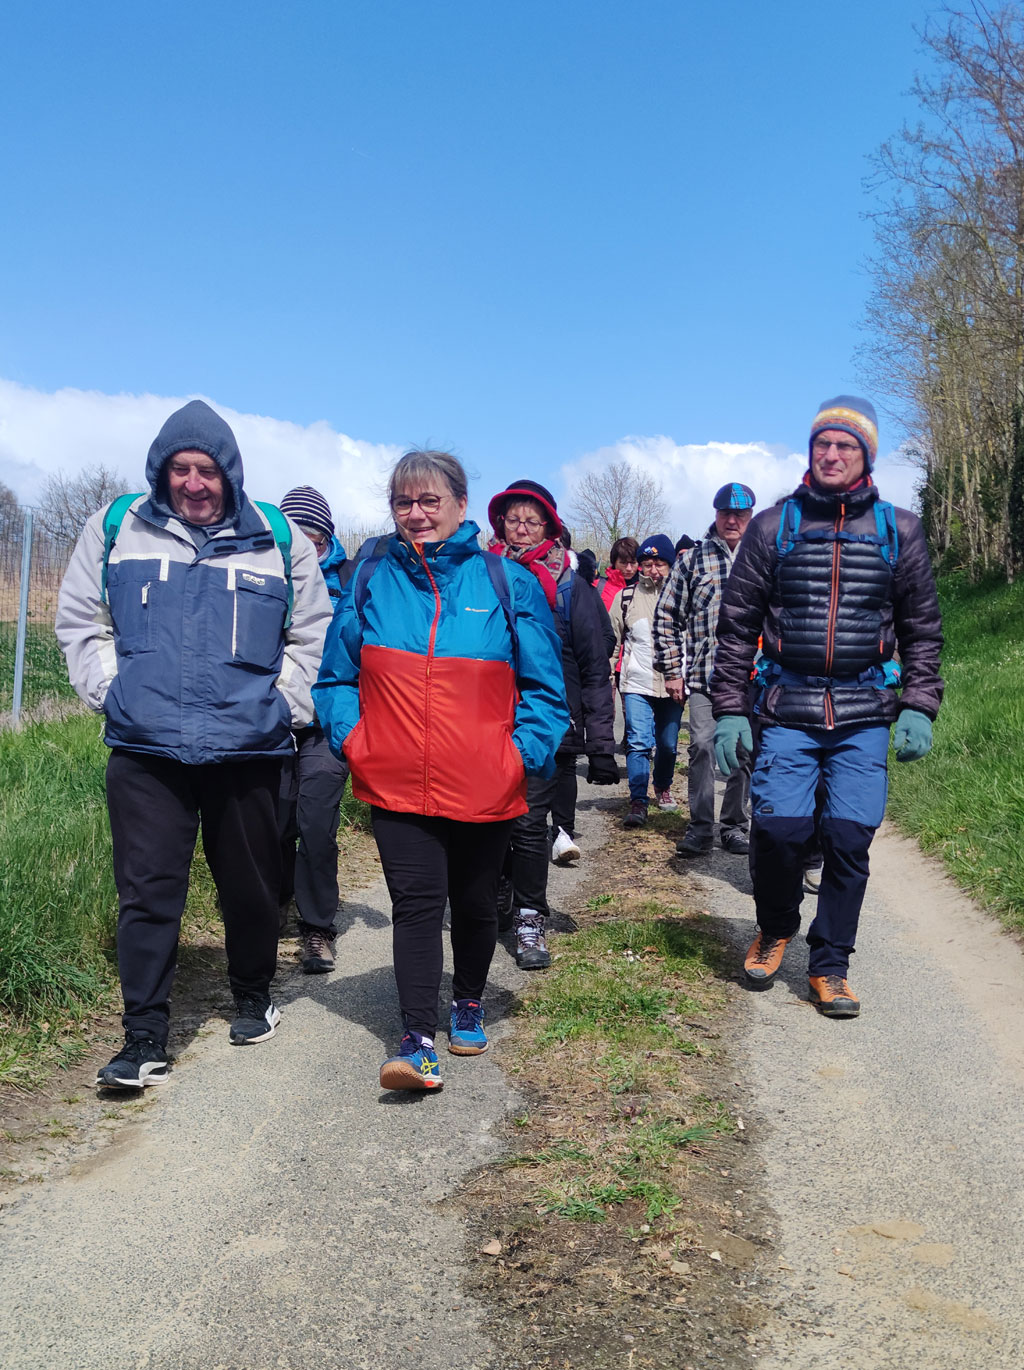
(965, 800)
(58, 905)
(623, 983)
(46, 672)
(605, 1038)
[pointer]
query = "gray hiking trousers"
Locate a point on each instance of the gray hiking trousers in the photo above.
(735, 815)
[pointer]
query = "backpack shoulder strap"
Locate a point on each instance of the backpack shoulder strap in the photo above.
(499, 580)
(628, 591)
(112, 521)
(563, 600)
(283, 537)
(789, 526)
(885, 522)
(361, 577)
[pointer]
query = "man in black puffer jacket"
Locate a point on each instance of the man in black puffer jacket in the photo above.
(834, 581)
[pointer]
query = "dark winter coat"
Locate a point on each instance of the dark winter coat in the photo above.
(585, 653)
(831, 612)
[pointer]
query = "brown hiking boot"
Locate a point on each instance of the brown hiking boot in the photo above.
(761, 963)
(833, 996)
(317, 952)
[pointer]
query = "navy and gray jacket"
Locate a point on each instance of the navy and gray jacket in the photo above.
(831, 611)
(190, 657)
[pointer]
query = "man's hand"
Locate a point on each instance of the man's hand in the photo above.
(732, 731)
(602, 770)
(912, 736)
(676, 690)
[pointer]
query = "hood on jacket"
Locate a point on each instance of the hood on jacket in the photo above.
(333, 557)
(197, 427)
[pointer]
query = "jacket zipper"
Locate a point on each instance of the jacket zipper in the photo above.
(833, 606)
(426, 682)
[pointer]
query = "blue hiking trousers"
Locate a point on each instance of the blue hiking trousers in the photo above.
(852, 764)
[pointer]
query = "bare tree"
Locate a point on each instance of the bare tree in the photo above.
(11, 517)
(69, 500)
(617, 502)
(947, 313)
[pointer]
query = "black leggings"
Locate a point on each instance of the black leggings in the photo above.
(428, 861)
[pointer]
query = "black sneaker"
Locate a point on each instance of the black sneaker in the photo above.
(255, 1021)
(689, 845)
(317, 952)
(141, 1061)
(531, 949)
(735, 842)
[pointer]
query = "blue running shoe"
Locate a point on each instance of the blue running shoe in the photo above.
(415, 1066)
(466, 1035)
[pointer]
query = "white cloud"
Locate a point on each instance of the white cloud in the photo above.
(69, 430)
(691, 473)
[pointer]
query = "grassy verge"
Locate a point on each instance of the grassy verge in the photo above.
(617, 1015)
(57, 899)
(608, 1235)
(965, 800)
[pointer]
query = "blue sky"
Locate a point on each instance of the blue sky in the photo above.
(532, 231)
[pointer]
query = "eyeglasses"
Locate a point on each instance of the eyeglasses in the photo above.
(429, 504)
(845, 449)
(316, 537)
(511, 522)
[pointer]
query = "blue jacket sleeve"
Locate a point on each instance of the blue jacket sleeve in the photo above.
(336, 692)
(542, 715)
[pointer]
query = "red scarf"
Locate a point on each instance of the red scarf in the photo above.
(547, 560)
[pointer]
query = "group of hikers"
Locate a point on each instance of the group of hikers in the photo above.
(246, 667)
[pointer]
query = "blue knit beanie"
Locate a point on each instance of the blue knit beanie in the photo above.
(657, 546)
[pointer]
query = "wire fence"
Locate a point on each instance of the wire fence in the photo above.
(33, 675)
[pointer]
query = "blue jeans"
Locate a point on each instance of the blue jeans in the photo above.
(851, 763)
(651, 725)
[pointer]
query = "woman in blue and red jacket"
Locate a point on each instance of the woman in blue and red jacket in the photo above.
(441, 684)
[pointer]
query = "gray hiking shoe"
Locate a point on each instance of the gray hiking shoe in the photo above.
(531, 949)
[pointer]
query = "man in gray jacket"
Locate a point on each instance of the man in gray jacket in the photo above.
(194, 620)
(684, 651)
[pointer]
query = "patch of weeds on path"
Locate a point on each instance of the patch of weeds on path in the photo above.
(610, 1233)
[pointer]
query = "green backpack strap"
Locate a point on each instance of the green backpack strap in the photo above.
(283, 537)
(112, 521)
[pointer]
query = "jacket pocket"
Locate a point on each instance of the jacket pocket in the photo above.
(259, 606)
(134, 589)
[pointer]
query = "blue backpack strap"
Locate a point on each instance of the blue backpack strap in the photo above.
(885, 522)
(283, 537)
(563, 603)
(499, 580)
(112, 521)
(361, 579)
(789, 526)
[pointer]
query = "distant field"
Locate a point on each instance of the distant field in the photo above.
(965, 800)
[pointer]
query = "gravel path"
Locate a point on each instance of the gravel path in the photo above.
(269, 1208)
(892, 1145)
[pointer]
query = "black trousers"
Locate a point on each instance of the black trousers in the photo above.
(156, 806)
(563, 802)
(312, 783)
(528, 853)
(428, 862)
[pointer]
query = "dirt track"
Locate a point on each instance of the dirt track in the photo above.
(270, 1208)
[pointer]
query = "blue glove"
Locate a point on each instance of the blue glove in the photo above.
(732, 731)
(912, 736)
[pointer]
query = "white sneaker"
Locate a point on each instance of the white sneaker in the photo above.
(812, 878)
(564, 850)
